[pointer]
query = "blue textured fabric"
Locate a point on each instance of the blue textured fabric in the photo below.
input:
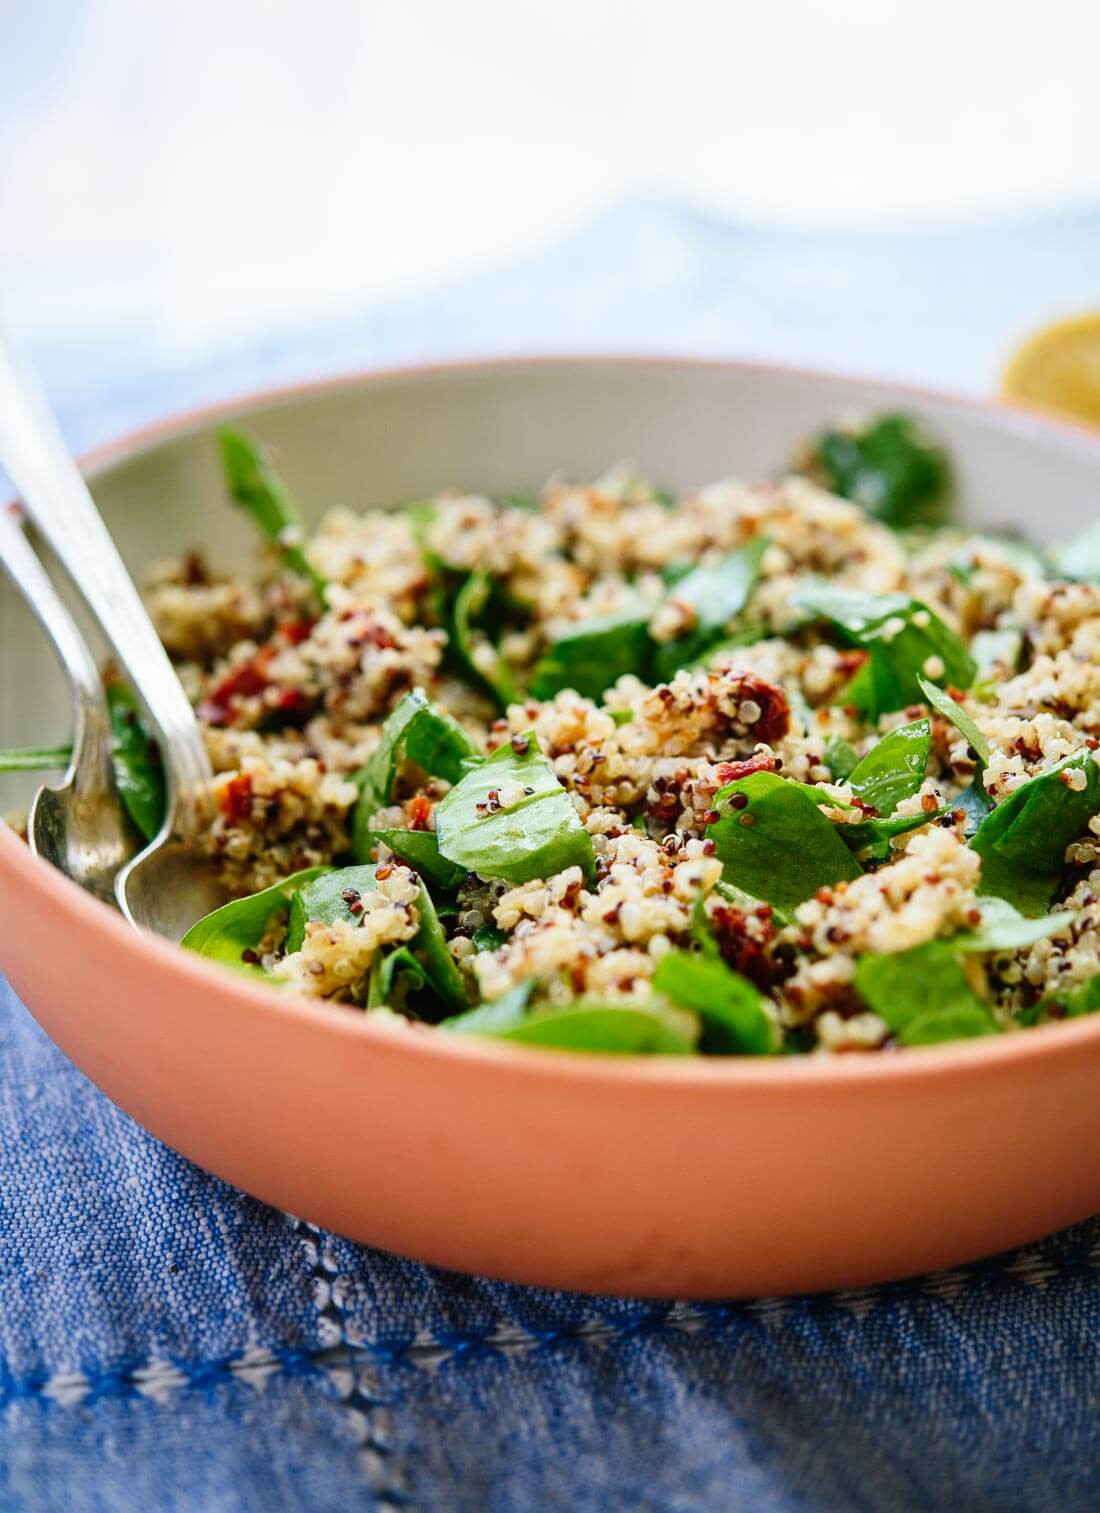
(168, 1343)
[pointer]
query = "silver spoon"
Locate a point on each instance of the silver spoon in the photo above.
(77, 824)
(170, 884)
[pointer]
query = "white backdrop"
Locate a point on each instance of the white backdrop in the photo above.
(192, 169)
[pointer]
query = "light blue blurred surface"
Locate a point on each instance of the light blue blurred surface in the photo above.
(168, 1343)
(942, 307)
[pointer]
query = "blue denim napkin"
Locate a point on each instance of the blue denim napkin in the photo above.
(168, 1343)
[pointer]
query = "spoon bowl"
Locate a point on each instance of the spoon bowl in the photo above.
(78, 823)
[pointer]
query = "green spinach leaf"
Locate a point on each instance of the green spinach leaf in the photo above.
(1004, 928)
(489, 670)
(1069, 1003)
(594, 655)
(893, 769)
(415, 731)
(418, 849)
(586, 1024)
(774, 842)
(1022, 842)
(324, 899)
(891, 467)
(952, 710)
(394, 978)
(872, 838)
(537, 834)
(35, 758)
(232, 933)
(923, 995)
(902, 639)
(730, 1008)
(139, 775)
(841, 758)
(716, 593)
(256, 486)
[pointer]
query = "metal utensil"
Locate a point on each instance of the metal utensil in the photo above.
(77, 824)
(170, 884)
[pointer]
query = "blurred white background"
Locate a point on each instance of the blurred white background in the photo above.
(180, 173)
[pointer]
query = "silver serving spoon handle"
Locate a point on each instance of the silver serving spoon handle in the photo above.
(77, 824)
(170, 884)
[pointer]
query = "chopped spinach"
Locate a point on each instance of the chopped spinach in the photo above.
(1067, 1003)
(715, 593)
(418, 849)
(1022, 842)
(893, 769)
(1004, 928)
(257, 487)
(902, 637)
(891, 467)
(35, 758)
(732, 1013)
(330, 897)
(871, 838)
(415, 731)
(594, 654)
(841, 758)
(774, 842)
(923, 995)
(585, 1024)
(537, 834)
(490, 671)
(232, 933)
(139, 775)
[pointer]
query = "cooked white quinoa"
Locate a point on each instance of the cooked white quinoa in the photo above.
(292, 701)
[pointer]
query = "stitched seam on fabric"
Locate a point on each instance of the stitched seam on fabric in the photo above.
(351, 1373)
(159, 1379)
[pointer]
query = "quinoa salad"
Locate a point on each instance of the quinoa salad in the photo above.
(796, 766)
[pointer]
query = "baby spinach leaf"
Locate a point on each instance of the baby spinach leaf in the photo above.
(715, 593)
(139, 775)
(1022, 842)
(872, 838)
(35, 758)
(891, 467)
(841, 758)
(593, 655)
(952, 710)
(324, 899)
(774, 842)
(1004, 928)
(239, 926)
(586, 1024)
(923, 995)
(731, 1010)
(257, 487)
(893, 769)
(1066, 1003)
(537, 834)
(495, 1017)
(415, 731)
(490, 671)
(902, 638)
(418, 849)
(393, 978)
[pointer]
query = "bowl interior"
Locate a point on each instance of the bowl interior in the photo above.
(391, 438)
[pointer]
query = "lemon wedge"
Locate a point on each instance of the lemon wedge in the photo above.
(1059, 369)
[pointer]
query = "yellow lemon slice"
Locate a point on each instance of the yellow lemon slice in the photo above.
(1059, 369)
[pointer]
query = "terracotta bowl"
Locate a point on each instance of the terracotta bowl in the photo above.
(701, 1178)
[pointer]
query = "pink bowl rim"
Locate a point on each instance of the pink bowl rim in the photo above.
(72, 905)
